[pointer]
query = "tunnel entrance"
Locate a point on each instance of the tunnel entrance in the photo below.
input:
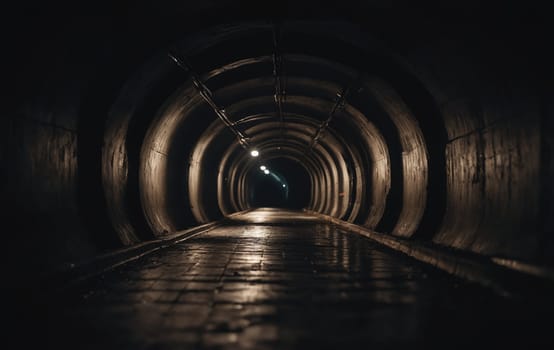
(281, 183)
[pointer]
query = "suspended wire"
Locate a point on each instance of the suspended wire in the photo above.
(340, 103)
(279, 81)
(207, 95)
(278, 63)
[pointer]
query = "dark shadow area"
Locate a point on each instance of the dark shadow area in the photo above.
(285, 185)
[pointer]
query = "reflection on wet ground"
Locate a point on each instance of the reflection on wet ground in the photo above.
(280, 286)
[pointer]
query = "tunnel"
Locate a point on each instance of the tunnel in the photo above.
(401, 152)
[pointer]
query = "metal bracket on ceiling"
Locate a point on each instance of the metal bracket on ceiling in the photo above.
(279, 81)
(340, 104)
(278, 64)
(207, 95)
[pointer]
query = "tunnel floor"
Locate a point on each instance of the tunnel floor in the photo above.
(274, 279)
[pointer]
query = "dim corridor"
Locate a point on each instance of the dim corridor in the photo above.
(276, 279)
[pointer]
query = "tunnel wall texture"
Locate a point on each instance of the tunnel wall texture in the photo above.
(493, 154)
(465, 161)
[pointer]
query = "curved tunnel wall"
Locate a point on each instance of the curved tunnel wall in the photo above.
(334, 197)
(441, 141)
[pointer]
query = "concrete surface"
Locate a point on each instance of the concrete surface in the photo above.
(274, 279)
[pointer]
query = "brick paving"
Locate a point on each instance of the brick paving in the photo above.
(283, 280)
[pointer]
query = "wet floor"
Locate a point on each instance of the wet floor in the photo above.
(272, 279)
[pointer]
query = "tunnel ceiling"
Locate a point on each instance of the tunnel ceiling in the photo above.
(424, 125)
(306, 91)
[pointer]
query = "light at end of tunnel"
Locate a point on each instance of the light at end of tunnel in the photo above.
(266, 171)
(263, 167)
(284, 185)
(254, 153)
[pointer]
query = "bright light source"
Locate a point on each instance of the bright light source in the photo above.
(284, 185)
(263, 167)
(254, 153)
(266, 171)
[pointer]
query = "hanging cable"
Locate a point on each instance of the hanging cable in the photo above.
(206, 94)
(278, 63)
(340, 103)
